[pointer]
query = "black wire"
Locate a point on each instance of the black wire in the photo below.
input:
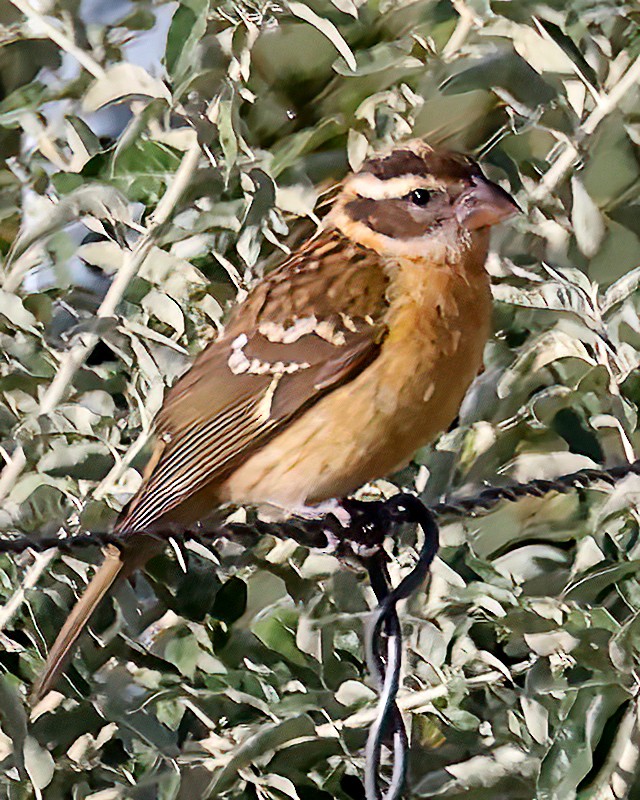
(19, 542)
(490, 497)
(312, 533)
(408, 508)
(401, 508)
(385, 718)
(379, 579)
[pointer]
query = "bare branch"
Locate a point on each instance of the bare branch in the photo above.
(40, 23)
(31, 577)
(569, 155)
(74, 358)
(467, 19)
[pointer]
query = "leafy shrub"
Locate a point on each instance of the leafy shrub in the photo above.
(174, 149)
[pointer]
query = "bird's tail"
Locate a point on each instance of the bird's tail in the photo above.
(116, 565)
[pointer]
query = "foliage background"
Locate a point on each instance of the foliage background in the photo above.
(155, 154)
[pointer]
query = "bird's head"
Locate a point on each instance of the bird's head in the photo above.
(420, 202)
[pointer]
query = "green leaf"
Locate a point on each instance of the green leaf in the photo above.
(231, 601)
(188, 25)
(269, 738)
(550, 295)
(89, 460)
(277, 630)
(570, 757)
(24, 99)
(89, 199)
(184, 651)
(38, 763)
(13, 310)
(612, 166)
(123, 81)
(143, 170)
(588, 223)
(568, 46)
(327, 28)
(228, 138)
(503, 69)
(619, 291)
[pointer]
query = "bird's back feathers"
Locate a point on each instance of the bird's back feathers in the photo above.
(275, 361)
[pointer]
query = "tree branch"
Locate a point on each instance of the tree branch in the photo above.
(607, 103)
(74, 358)
(40, 22)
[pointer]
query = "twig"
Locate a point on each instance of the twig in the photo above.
(31, 577)
(38, 21)
(463, 28)
(408, 700)
(74, 358)
(607, 103)
(118, 469)
(12, 470)
(369, 522)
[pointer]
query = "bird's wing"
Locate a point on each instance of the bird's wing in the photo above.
(311, 326)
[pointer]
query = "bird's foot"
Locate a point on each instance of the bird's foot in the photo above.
(350, 527)
(275, 512)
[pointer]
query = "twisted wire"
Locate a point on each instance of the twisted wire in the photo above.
(313, 533)
(489, 498)
(381, 669)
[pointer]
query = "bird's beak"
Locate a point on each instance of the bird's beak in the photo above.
(484, 204)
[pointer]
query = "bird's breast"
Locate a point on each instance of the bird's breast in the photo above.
(438, 325)
(438, 322)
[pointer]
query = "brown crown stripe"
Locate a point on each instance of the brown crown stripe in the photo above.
(452, 166)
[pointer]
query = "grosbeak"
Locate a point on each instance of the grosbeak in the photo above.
(340, 363)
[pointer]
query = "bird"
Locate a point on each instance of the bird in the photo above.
(337, 366)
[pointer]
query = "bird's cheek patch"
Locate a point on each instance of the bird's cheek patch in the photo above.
(391, 217)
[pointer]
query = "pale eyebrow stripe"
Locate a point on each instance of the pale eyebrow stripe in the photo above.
(373, 188)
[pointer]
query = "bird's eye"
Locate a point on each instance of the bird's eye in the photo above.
(420, 197)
